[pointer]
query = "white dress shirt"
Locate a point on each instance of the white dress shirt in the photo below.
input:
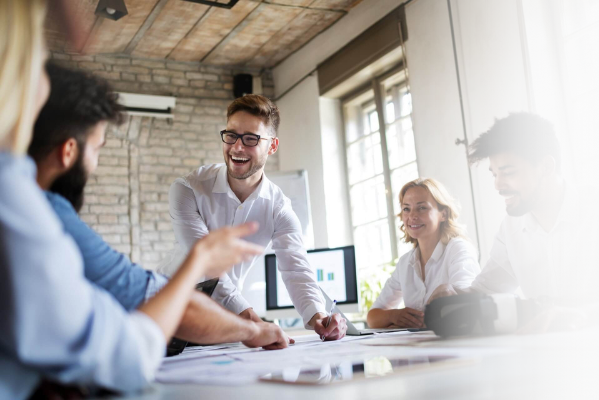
(455, 263)
(559, 263)
(203, 201)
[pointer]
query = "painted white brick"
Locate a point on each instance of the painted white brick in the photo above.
(127, 197)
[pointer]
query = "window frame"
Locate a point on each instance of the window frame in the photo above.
(380, 96)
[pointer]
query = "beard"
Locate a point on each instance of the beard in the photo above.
(254, 167)
(71, 185)
(525, 205)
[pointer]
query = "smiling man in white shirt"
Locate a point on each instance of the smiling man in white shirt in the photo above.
(237, 191)
(543, 249)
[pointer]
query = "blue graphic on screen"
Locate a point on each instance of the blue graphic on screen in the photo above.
(329, 267)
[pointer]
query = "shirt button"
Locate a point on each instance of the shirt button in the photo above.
(240, 207)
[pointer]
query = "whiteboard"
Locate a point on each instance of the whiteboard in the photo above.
(294, 185)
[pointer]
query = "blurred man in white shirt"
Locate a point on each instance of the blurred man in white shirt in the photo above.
(543, 248)
(237, 191)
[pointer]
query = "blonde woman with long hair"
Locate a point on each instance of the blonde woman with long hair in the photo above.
(56, 325)
(441, 254)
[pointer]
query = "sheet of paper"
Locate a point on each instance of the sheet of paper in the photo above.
(237, 365)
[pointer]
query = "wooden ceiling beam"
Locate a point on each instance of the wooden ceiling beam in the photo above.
(200, 20)
(210, 31)
(145, 26)
(240, 26)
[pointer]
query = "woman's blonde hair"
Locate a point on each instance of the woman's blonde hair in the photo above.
(21, 62)
(449, 228)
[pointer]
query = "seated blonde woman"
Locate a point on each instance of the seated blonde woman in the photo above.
(441, 254)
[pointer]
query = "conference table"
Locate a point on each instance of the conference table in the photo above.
(542, 366)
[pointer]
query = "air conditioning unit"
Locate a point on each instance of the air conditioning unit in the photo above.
(148, 105)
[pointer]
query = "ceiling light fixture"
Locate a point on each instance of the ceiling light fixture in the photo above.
(215, 3)
(112, 9)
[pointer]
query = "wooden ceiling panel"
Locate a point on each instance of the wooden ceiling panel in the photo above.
(244, 42)
(295, 3)
(83, 10)
(208, 33)
(294, 39)
(335, 4)
(295, 32)
(253, 33)
(111, 36)
(175, 20)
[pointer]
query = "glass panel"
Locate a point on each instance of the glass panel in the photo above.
(373, 120)
(372, 244)
(400, 143)
(356, 116)
(390, 112)
(368, 201)
(364, 158)
(353, 129)
(405, 104)
(400, 177)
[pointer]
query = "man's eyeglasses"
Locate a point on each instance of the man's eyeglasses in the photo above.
(248, 139)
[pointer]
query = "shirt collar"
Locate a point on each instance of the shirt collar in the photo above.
(221, 185)
(437, 254)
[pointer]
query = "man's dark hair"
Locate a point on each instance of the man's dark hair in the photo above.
(259, 106)
(77, 102)
(525, 134)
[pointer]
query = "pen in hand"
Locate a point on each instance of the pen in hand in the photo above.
(330, 317)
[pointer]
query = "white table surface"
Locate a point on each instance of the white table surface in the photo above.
(549, 366)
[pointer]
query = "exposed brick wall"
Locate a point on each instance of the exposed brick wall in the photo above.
(127, 198)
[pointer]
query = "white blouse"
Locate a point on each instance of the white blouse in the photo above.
(454, 263)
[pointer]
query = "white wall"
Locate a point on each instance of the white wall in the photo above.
(311, 138)
(491, 52)
(301, 147)
(335, 175)
(305, 60)
(436, 111)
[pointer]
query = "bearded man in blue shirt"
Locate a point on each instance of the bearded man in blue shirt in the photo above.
(68, 136)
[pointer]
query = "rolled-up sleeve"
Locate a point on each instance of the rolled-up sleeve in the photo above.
(54, 322)
(297, 274)
(155, 283)
(229, 296)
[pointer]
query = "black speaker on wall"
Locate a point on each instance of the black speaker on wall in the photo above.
(242, 84)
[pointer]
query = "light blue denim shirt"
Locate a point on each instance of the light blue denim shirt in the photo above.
(54, 323)
(129, 283)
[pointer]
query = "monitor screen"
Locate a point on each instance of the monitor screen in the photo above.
(335, 273)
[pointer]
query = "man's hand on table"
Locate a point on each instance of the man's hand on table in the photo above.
(268, 335)
(332, 328)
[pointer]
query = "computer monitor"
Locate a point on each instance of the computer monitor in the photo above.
(335, 274)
